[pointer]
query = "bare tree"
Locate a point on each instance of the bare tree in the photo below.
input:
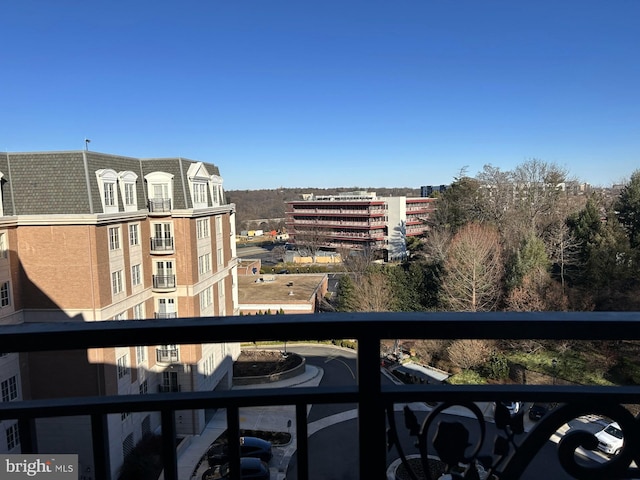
(564, 249)
(468, 354)
(473, 270)
(310, 239)
(372, 293)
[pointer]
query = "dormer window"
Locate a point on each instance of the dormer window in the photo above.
(160, 188)
(107, 180)
(198, 179)
(215, 183)
(127, 181)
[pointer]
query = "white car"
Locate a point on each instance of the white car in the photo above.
(610, 439)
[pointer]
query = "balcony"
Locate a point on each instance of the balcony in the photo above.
(375, 402)
(162, 245)
(169, 388)
(159, 205)
(165, 315)
(164, 283)
(167, 355)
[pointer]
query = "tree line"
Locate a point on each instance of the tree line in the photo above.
(518, 240)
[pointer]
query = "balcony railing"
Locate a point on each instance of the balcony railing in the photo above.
(161, 244)
(167, 355)
(164, 282)
(374, 402)
(162, 205)
(169, 388)
(165, 315)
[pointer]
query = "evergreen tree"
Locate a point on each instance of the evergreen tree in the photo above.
(628, 209)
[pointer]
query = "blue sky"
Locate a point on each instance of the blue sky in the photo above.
(331, 93)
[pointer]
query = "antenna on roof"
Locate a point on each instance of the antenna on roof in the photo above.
(86, 144)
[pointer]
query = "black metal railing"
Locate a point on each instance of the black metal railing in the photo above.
(373, 401)
(169, 388)
(159, 205)
(164, 281)
(161, 244)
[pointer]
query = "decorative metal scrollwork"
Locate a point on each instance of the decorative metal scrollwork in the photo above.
(513, 450)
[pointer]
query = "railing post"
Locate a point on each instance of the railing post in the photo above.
(27, 435)
(302, 441)
(100, 444)
(371, 418)
(170, 457)
(233, 441)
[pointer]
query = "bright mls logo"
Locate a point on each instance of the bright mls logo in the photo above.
(51, 467)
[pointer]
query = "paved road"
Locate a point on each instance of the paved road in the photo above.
(333, 429)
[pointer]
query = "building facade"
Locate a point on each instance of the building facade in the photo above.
(358, 221)
(86, 236)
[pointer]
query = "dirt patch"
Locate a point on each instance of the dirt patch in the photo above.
(253, 363)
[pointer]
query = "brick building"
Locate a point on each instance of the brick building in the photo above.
(86, 236)
(357, 221)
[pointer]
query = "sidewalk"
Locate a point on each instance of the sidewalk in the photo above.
(254, 418)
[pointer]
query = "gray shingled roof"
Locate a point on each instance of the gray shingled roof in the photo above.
(41, 183)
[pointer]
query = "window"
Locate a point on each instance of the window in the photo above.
(200, 194)
(215, 183)
(144, 388)
(120, 316)
(3, 245)
(123, 366)
(204, 263)
(5, 299)
(116, 282)
(160, 188)
(202, 227)
(141, 354)
(9, 389)
(129, 194)
(114, 238)
(136, 276)
(13, 437)
(146, 423)
(219, 225)
(138, 311)
(127, 445)
(206, 298)
(220, 257)
(107, 179)
(109, 194)
(134, 236)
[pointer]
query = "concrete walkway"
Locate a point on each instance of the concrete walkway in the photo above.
(272, 419)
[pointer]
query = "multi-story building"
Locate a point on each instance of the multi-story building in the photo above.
(85, 237)
(358, 221)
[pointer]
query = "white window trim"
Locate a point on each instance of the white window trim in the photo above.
(104, 176)
(136, 280)
(136, 227)
(8, 292)
(159, 178)
(117, 284)
(128, 178)
(116, 242)
(197, 175)
(216, 191)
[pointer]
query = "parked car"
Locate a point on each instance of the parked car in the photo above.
(250, 468)
(539, 410)
(253, 447)
(610, 439)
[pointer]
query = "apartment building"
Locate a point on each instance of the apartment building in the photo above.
(357, 221)
(87, 236)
